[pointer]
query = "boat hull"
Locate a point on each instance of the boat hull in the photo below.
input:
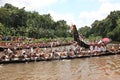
(50, 59)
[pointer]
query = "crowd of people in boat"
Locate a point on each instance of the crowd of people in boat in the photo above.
(38, 53)
(20, 45)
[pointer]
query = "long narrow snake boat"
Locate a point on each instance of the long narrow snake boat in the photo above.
(67, 57)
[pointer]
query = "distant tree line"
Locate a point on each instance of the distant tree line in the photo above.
(18, 22)
(108, 27)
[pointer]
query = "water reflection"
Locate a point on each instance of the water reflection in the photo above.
(95, 68)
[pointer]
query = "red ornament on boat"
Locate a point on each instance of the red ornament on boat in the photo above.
(106, 40)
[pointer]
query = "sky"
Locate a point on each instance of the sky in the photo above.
(79, 12)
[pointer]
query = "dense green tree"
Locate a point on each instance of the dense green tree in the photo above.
(108, 27)
(18, 22)
(85, 31)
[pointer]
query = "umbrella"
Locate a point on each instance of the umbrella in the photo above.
(106, 40)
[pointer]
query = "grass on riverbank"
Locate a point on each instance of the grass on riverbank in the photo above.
(62, 39)
(55, 39)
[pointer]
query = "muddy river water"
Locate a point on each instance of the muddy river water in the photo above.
(94, 68)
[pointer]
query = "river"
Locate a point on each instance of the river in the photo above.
(94, 68)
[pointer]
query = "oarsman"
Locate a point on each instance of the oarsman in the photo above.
(112, 48)
(71, 53)
(31, 50)
(92, 46)
(63, 53)
(5, 57)
(37, 51)
(78, 49)
(9, 51)
(50, 53)
(103, 47)
(119, 47)
(43, 55)
(73, 46)
(118, 50)
(24, 54)
(56, 54)
(98, 48)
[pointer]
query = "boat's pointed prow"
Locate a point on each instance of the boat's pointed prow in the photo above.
(76, 37)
